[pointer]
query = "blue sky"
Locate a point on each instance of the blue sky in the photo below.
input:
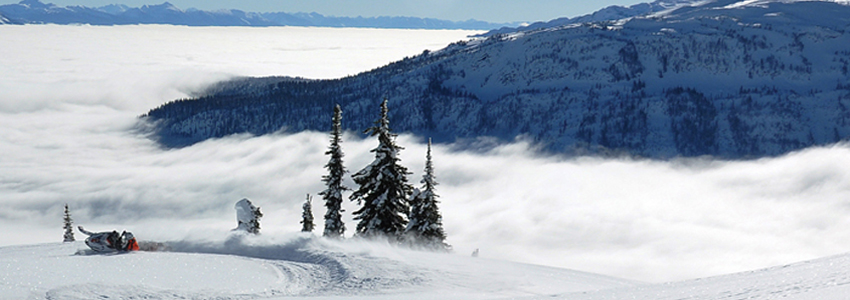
(457, 10)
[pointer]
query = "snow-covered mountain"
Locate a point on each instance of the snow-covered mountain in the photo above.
(724, 78)
(36, 12)
(611, 13)
(306, 267)
(114, 8)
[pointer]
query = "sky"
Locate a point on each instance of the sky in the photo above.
(497, 11)
(69, 133)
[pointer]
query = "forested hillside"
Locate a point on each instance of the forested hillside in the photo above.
(727, 79)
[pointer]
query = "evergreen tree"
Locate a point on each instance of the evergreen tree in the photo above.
(383, 184)
(255, 224)
(426, 224)
(334, 227)
(69, 227)
(307, 215)
(248, 216)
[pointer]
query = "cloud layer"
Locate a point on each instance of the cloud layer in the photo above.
(69, 97)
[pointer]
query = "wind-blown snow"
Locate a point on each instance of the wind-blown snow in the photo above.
(250, 267)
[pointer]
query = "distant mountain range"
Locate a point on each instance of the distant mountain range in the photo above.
(610, 13)
(37, 12)
(616, 12)
(733, 79)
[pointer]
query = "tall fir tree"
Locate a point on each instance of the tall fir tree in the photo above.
(69, 225)
(307, 215)
(425, 228)
(334, 227)
(383, 187)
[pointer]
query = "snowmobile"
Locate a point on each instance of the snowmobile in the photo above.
(110, 241)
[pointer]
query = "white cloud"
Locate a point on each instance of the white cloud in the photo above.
(640, 219)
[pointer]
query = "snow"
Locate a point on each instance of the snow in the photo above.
(303, 266)
(247, 267)
(245, 215)
(825, 278)
(764, 3)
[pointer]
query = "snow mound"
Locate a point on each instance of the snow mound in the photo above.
(249, 267)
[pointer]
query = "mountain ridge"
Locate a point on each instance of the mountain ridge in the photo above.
(37, 12)
(742, 82)
(610, 13)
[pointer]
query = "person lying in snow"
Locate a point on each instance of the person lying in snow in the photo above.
(110, 241)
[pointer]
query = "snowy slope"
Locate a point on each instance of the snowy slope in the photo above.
(610, 13)
(310, 267)
(241, 267)
(824, 279)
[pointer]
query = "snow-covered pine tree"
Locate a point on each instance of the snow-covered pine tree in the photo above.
(247, 216)
(334, 227)
(425, 228)
(383, 188)
(69, 227)
(307, 215)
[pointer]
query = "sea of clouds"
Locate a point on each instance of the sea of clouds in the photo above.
(69, 133)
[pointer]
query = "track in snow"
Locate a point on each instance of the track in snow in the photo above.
(252, 267)
(302, 266)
